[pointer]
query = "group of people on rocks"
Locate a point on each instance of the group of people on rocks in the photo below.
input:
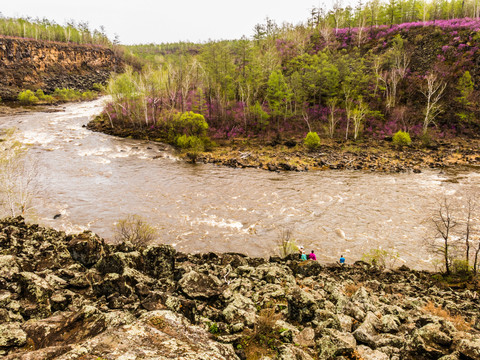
(312, 256)
(304, 256)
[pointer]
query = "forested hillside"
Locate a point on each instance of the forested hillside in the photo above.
(345, 74)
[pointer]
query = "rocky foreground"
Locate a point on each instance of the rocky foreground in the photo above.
(76, 297)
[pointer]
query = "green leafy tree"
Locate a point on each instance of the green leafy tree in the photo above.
(465, 87)
(278, 96)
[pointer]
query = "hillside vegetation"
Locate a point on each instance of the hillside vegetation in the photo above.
(345, 74)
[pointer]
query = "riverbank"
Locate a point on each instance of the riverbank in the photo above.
(6, 110)
(291, 155)
(76, 297)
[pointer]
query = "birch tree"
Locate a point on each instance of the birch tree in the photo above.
(332, 119)
(433, 92)
(359, 114)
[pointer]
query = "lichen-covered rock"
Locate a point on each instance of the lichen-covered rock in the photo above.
(12, 335)
(155, 335)
(306, 337)
(34, 288)
(197, 285)
(366, 333)
(159, 261)
(240, 309)
(291, 352)
(86, 248)
(389, 324)
(335, 343)
(111, 263)
(104, 307)
(368, 354)
(301, 305)
(430, 341)
(70, 328)
(8, 266)
(274, 274)
(111, 284)
(470, 348)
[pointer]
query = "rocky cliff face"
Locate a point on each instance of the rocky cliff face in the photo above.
(30, 64)
(76, 297)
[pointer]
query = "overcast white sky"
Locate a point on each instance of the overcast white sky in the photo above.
(145, 21)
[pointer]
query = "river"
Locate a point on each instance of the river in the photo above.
(93, 180)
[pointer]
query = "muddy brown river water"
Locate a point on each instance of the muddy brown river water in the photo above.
(93, 180)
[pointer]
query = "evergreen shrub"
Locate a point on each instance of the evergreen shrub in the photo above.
(312, 141)
(402, 138)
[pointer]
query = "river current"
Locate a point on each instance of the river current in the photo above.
(93, 180)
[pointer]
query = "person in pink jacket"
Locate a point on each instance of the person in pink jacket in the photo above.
(312, 256)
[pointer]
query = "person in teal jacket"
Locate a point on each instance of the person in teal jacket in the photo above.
(303, 257)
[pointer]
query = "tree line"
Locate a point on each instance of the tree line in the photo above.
(44, 29)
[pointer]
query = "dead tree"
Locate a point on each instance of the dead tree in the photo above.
(444, 224)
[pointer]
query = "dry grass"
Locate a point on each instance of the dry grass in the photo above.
(457, 320)
(350, 289)
(264, 339)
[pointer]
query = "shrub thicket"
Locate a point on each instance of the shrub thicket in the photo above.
(381, 258)
(135, 230)
(27, 97)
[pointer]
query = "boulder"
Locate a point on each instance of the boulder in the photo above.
(470, 348)
(197, 285)
(301, 305)
(335, 343)
(86, 248)
(368, 354)
(12, 335)
(240, 309)
(8, 266)
(34, 288)
(111, 263)
(389, 324)
(159, 334)
(291, 352)
(430, 341)
(111, 284)
(159, 261)
(305, 338)
(366, 333)
(274, 274)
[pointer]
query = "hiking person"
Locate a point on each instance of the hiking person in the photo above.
(342, 260)
(303, 256)
(312, 256)
(300, 252)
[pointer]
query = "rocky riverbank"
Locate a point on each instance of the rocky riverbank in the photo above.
(76, 297)
(291, 155)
